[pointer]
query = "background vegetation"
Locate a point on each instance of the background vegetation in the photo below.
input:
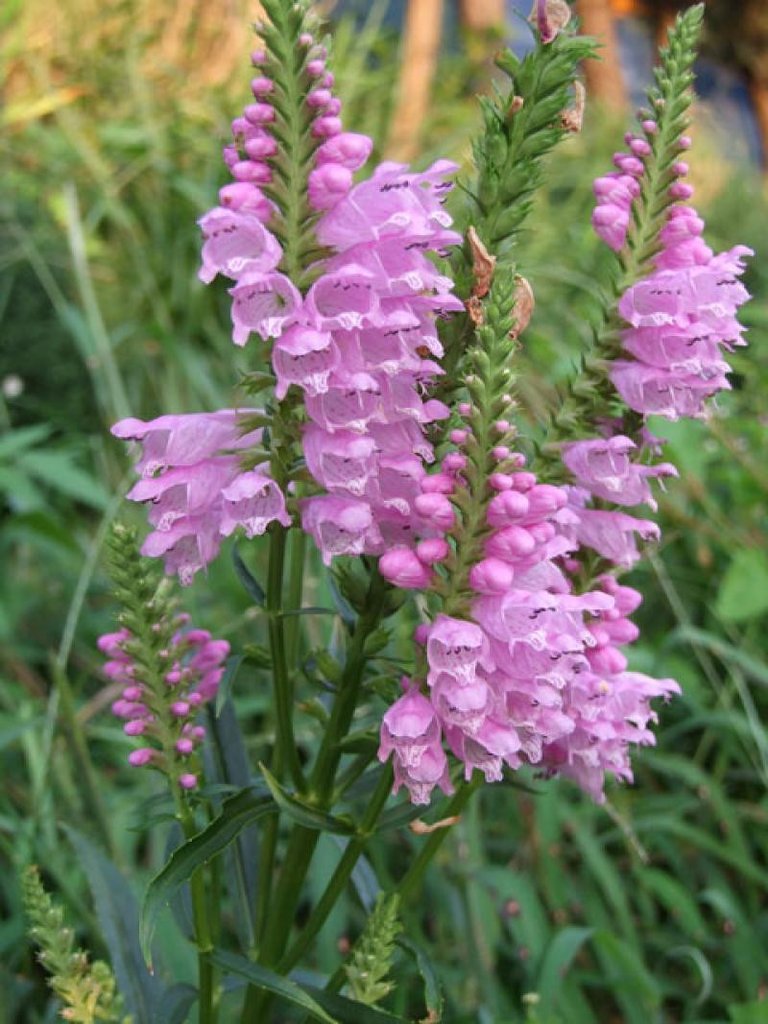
(542, 907)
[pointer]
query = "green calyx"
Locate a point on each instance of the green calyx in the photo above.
(86, 989)
(522, 124)
(287, 59)
(591, 395)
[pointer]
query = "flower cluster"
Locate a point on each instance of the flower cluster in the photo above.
(236, 242)
(192, 480)
(526, 677)
(681, 314)
(194, 668)
(607, 705)
(603, 469)
(680, 318)
(364, 354)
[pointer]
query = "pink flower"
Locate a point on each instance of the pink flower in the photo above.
(603, 466)
(194, 489)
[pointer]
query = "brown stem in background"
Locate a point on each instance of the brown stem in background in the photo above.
(421, 45)
(479, 15)
(605, 82)
(759, 91)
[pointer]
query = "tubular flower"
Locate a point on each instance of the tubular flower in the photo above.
(370, 325)
(194, 486)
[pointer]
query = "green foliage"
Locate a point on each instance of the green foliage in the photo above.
(523, 122)
(86, 989)
(371, 959)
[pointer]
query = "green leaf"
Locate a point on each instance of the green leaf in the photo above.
(726, 652)
(18, 439)
(303, 813)
(251, 584)
(315, 1001)
(743, 593)
(266, 979)
(118, 915)
(237, 812)
(636, 991)
(59, 471)
(398, 816)
(175, 1005)
(558, 958)
(231, 669)
(749, 1013)
(433, 992)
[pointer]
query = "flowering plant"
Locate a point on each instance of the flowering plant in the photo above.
(381, 312)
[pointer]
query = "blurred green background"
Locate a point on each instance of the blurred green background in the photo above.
(542, 907)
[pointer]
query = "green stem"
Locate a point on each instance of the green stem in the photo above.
(285, 745)
(203, 939)
(86, 777)
(303, 841)
(286, 752)
(352, 853)
(295, 592)
(413, 876)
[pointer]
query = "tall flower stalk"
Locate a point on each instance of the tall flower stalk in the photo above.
(381, 315)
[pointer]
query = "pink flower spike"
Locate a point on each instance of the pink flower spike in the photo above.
(264, 304)
(262, 86)
(188, 781)
(436, 510)
(184, 746)
(259, 113)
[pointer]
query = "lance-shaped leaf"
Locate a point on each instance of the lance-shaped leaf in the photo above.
(304, 813)
(237, 812)
(317, 1002)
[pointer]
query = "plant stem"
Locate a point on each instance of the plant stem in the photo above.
(285, 744)
(415, 872)
(352, 853)
(86, 776)
(303, 840)
(203, 939)
(293, 601)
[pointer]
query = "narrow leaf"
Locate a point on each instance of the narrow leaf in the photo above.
(118, 915)
(433, 993)
(237, 812)
(266, 979)
(303, 813)
(557, 959)
(251, 584)
(319, 1003)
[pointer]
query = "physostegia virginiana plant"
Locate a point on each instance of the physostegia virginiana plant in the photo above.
(381, 309)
